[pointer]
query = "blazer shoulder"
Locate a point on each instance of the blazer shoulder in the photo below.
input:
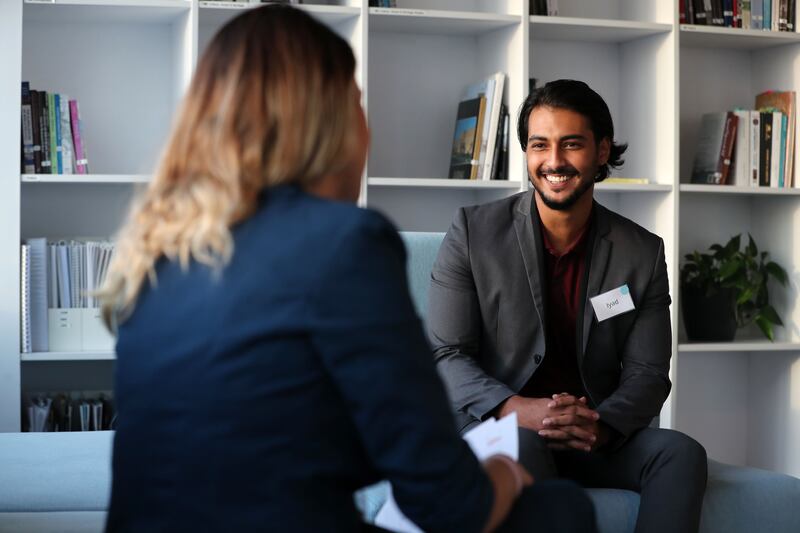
(625, 230)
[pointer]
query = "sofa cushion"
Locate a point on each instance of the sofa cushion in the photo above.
(55, 471)
(422, 249)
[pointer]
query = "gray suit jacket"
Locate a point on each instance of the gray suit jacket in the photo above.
(487, 313)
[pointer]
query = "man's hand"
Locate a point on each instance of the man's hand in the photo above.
(565, 421)
(575, 427)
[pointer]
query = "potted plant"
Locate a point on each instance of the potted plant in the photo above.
(727, 289)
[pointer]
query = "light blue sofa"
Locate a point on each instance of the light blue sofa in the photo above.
(59, 482)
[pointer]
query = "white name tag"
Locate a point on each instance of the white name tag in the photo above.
(612, 303)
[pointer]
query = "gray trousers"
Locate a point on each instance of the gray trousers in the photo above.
(667, 468)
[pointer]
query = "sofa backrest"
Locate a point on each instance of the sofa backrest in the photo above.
(422, 249)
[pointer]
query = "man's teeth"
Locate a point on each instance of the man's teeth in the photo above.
(554, 178)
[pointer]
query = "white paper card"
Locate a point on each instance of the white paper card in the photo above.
(612, 303)
(491, 437)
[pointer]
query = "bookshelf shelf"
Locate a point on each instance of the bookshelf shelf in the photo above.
(68, 356)
(734, 38)
(692, 188)
(593, 30)
(636, 188)
(740, 346)
(85, 178)
(138, 11)
(218, 13)
(437, 22)
(438, 183)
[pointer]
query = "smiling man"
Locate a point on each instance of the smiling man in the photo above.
(549, 305)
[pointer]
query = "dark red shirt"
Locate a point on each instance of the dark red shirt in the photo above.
(564, 273)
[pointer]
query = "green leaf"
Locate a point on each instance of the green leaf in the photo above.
(765, 327)
(752, 249)
(733, 245)
(777, 272)
(770, 314)
(745, 296)
(729, 269)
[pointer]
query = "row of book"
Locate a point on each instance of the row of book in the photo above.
(749, 147)
(59, 276)
(52, 134)
(63, 412)
(480, 141)
(768, 15)
(382, 3)
(544, 7)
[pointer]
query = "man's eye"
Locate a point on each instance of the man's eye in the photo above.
(572, 145)
(537, 146)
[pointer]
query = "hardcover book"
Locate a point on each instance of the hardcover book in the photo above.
(465, 139)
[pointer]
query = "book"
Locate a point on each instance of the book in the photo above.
(465, 139)
(57, 123)
(486, 89)
(785, 102)
(67, 147)
(52, 105)
(775, 162)
(702, 17)
(757, 14)
(741, 149)
(755, 148)
(727, 13)
(494, 123)
(714, 148)
(36, 114)
(627, 181)
(44, 128)
(28, 165)
(81, 159)
(765, 157)
(782, 148)
(25, 307)
(746, 15)
(783, 15)
(37, 298)
(790, 17)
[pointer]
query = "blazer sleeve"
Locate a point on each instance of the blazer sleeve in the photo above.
(455, 327)
(644, 381)
(371, 342)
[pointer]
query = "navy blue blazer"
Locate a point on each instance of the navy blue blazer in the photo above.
(260, 398)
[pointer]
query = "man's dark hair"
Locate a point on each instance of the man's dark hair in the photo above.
(578, 97)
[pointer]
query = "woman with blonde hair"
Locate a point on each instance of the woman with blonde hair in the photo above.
(269, 359)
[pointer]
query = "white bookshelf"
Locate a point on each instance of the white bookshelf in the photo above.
(68, 356)
(658, 77)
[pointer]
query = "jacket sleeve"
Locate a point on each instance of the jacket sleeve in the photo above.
(644, 381)
(371, 342)
(455, 327)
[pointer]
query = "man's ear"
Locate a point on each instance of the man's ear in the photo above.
(604, 151)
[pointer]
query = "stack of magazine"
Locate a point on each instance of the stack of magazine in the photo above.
(480, 141)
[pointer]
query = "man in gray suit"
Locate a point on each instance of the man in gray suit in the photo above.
(549, 305)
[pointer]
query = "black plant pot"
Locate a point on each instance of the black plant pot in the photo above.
(709, 318)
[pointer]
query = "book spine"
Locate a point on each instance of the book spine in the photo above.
(81, 164)
(727, 13)
(746, 15)
(25, 309)
(757, 14)
(36, 118)
(53, 136)
(28, 165)
(766, 147)
(741, 149)
(737, 13)
(689, 8)
(700, 16)
(67, 150)
(783, 16)
(782, 158)
(775, 152)
(479, 151)
(766, 23)
(44, 125)
(726, 150)
(717, 18)
(755, 147)
(56, 124)
(681, 12)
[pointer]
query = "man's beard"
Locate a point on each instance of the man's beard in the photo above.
(569, 201)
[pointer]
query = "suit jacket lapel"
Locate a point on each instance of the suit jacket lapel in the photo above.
(529, 237)
(598, 265)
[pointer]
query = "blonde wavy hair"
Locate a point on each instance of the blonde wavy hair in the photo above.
(269, 104)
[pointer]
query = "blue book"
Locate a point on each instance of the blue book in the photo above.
(59, 155)
(767, 22)
(757, 14)
(784, 128)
